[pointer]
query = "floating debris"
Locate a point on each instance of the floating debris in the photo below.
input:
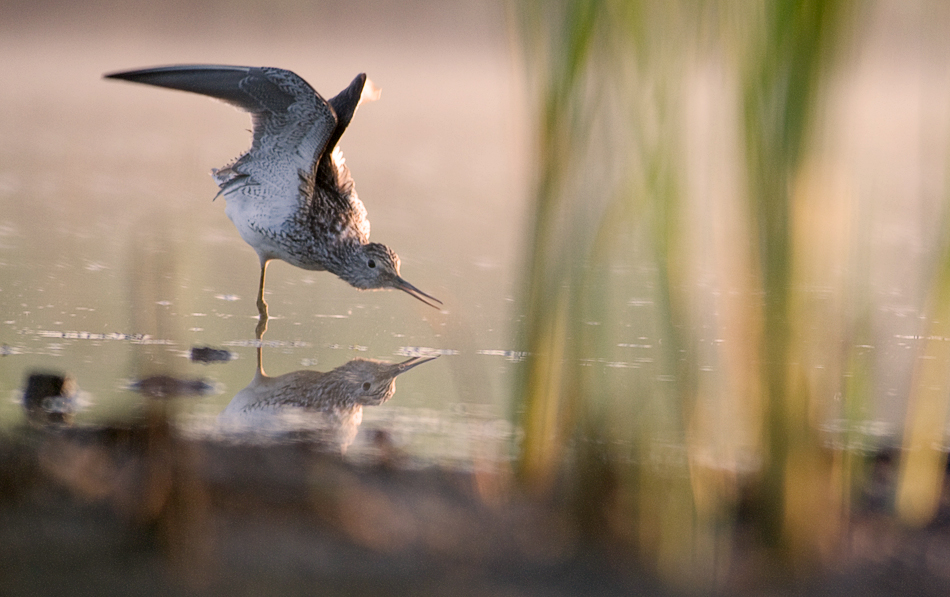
(50, 398)
(358, 347)
(423, 351)
(166, 386)
(274, 343)
(207, 354)
(514, 356)
(74, 335)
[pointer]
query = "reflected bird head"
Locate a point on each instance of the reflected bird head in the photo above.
(370, 382)
(375, 266)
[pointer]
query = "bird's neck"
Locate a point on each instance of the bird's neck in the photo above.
(341, 254)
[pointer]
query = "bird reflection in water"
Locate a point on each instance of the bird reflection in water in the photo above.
(326, 407)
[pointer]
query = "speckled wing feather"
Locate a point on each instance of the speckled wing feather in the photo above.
(336, 209)
(292, 124)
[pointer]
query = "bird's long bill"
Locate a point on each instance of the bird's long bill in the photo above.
(400, 368)
(425, 298)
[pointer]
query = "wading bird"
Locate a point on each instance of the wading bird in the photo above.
(291, 196)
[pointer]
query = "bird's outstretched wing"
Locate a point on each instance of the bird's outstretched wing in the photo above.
(341, 210)
(292, 122)
(345, 103)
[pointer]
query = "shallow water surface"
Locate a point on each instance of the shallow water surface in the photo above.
(115, 262)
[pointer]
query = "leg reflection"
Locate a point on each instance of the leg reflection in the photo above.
(261, 304)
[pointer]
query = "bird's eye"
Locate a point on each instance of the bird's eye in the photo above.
(365, 386)
(371, 263)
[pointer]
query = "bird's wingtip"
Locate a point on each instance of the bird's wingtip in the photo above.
(370, 92)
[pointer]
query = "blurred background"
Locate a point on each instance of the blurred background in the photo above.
(693, 255)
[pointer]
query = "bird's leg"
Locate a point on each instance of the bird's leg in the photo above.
(262, 304)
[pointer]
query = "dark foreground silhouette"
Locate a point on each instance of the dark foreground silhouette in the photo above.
(136, 509)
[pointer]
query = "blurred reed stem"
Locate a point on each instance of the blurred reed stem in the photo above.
(548, 415)
(629, 436)
(782, 71)
(924, 461)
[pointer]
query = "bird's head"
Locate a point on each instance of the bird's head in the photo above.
(370, 382)
(374, 266)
